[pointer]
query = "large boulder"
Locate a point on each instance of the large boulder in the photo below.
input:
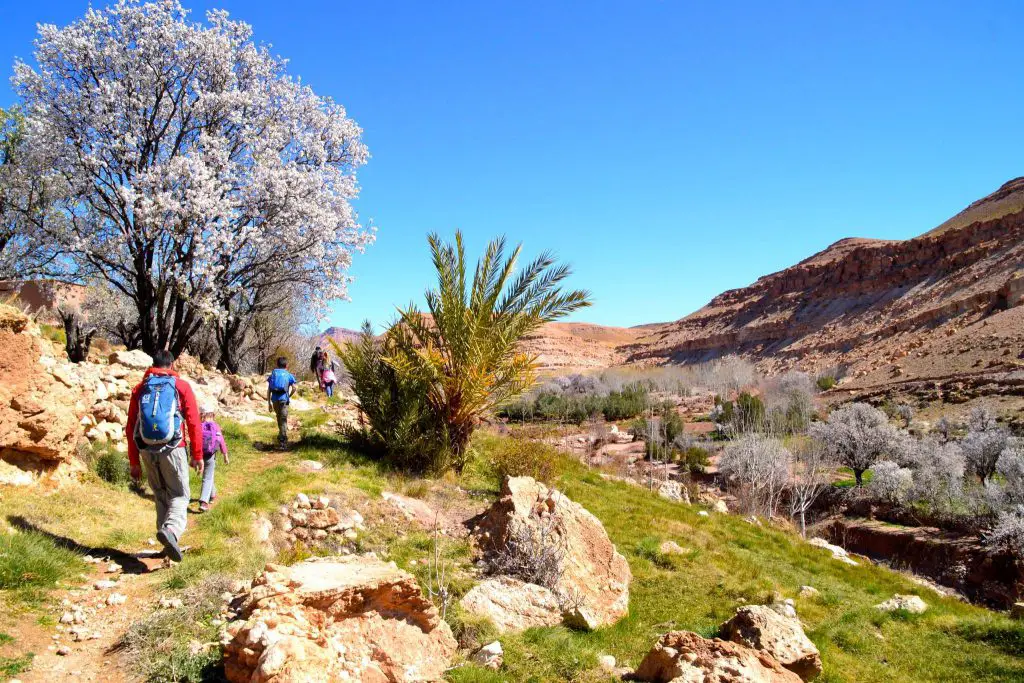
(685, 657)
(136, 359)
(766, 629)
(336, 618)
(512, 605)
(39, 428)
(589, 576)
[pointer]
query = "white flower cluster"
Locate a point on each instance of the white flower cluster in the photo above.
(184, 162)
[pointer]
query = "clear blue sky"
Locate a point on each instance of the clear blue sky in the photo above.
(668, 150)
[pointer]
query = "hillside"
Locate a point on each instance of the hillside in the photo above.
(942, 305)
(563, 347)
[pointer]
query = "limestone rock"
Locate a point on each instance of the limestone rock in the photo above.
(909, 603)
(674, 491)
(671, 548)
(412, 509)
(721, 507)
(137, 359)
(685, 657)
(336, 618)
(593, 584)
(513, 605)
(490, 656)
(838, 552)
(808, 592)
(764, 628)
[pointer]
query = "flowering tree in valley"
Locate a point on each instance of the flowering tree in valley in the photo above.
(187, 170)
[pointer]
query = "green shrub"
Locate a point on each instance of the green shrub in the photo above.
(400, 427)
(32, 560)
(112, 467)
(826, 382)
(695, 458)
(523, 458)
(625, 404)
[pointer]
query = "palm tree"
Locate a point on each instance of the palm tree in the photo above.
(466, 351)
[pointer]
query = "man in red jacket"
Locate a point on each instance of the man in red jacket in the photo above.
(167, 465)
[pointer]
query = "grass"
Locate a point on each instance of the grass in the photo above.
(728, 563)
(31, 563)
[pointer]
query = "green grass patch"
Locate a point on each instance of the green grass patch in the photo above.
(31, 563)
(15, 666)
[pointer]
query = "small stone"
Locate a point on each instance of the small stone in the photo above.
(607, 663)
(808, 591)
(171, 603)
(113, 568)
(302, 500)
(227, 596)
(117, 599)
(908, 603)
(490, 656)
(150, 541)
(63, 650)
(104, 584)
(704, 513)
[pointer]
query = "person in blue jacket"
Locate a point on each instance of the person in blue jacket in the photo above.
(280, 389)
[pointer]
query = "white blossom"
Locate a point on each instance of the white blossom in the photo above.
(191, 167)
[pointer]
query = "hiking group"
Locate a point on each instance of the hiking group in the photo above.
(168, 433)
(325, 371)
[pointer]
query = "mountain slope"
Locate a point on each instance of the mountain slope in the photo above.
(870, 304)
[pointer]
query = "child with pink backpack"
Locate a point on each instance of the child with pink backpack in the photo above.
(213, 442)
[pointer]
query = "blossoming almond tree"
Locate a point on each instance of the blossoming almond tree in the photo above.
(191, 171)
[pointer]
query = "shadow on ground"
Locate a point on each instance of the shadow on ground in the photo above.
(130, 564)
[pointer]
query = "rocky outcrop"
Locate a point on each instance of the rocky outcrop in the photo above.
(763, 628)
(590, 577)
(512, 605)
(685, 657)
(882, 308)
(39, 424)
(980, 572)
(336, 618)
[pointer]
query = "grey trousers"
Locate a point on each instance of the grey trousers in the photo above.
(281, 410)
(167, 474)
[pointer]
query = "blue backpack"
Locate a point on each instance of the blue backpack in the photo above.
(159, 420)
(278, 384)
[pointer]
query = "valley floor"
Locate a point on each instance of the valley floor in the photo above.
(728, 562)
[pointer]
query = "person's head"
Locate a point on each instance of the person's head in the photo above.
(162, 359)
(282, 362)
(317, 348)
(206, 413)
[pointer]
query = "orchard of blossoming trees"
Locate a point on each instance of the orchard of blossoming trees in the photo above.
(177, 164)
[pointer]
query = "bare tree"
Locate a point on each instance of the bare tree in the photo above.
(758, 468)
(811, 472)
(983, 445)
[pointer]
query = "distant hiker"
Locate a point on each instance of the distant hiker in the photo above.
(213, 443)
(329, 379)
(316, 366)
(162, 415)
(280, 388)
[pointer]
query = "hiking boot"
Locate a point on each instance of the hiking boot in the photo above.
(204, 507)
(170, 543)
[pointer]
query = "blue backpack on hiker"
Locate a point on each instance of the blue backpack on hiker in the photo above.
(159, 420)
(280, 380)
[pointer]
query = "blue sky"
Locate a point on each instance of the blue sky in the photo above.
(668, 150)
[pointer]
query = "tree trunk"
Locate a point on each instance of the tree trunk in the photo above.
(77, 341)
(803, 523)
(859, 475)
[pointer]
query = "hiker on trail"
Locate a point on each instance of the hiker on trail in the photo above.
(280, 388)
(329, 379)
(213, 443)
(316, 366)
(162, 416)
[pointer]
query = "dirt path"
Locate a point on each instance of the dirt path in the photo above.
(118, 589)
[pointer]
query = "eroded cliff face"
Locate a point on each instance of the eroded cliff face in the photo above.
(868, 304)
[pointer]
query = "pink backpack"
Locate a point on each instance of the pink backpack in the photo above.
(328, 376)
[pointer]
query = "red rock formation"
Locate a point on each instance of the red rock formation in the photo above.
(866, 303)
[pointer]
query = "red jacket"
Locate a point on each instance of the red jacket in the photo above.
(193, 427)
